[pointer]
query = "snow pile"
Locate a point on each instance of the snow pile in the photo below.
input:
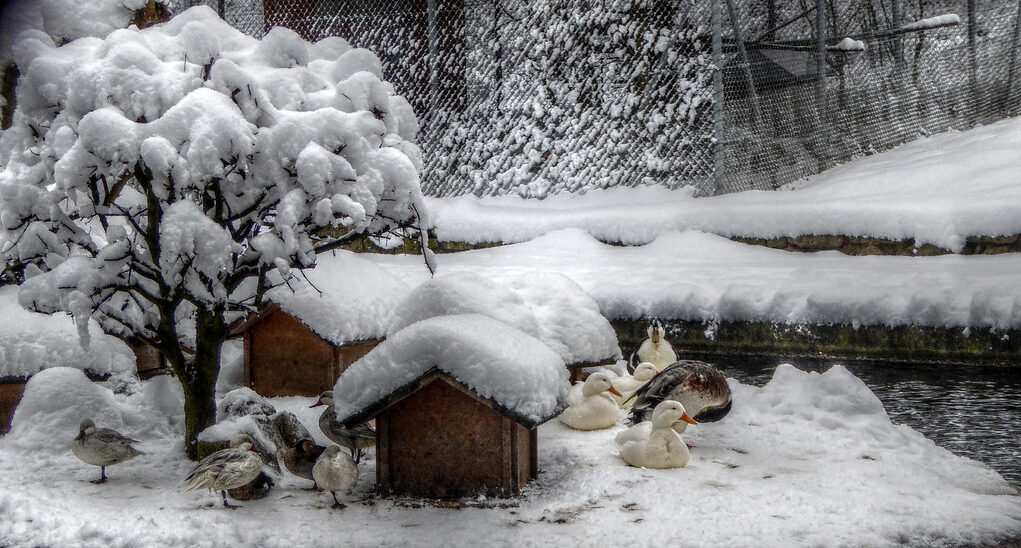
(60, 20)
(848, 44)
(702, 277)
(345, 298)
(55, 402)
(493, 359)
(937, 190)
(547, 306)
(31, 342)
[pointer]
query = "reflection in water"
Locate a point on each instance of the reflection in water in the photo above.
(974, 411)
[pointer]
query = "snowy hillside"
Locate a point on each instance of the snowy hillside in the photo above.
(809, 459)
(937, 190)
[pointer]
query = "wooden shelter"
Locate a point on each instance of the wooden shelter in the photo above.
(285, 357)
(11, 389)
(425, 430)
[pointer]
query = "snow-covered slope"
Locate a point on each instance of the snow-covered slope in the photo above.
(697, 276)
(808, 460)
(937, 190)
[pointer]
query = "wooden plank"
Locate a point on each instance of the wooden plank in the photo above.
(383, 472)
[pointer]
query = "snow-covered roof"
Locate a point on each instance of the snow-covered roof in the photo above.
(545, 305)
(31, 342)
(500, 364)
(346, 298)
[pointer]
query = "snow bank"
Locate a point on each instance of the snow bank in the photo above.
(937, 190)
(703, 277)
(547, 306)
(492, 358)
(55, 402)
(345, 298)
(31, 342)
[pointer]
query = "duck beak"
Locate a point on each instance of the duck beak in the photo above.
(316, 404)
(614, 391)
(686, 418)
(81, 434)
(655, 336)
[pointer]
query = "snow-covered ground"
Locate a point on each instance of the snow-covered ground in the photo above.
(809, 459)
(697, 276)
(937, 190)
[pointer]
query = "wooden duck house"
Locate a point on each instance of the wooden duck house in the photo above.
(11, 389)
(313, 327)
(457, 400)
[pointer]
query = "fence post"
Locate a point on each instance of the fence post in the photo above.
(753, 95)
(718, 124)
(1012, 64)
(820, 80)
(434, 51)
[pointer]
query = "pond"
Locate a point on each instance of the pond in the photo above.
(974, 411)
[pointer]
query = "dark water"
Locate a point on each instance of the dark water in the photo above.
(974, 411)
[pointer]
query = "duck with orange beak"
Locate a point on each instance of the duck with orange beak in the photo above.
(593, 409)
(657, 443)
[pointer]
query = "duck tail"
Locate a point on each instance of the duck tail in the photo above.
(639, 414)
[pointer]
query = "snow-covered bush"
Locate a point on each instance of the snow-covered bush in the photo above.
(158, 180)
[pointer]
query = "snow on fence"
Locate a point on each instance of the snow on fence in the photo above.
(539, 97)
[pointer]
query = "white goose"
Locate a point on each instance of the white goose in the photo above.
(335, 471)
(227, 468)
(657, 445)
(628, 384)
(594, 409)
(655, 350)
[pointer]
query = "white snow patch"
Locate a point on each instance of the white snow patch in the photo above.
(937, 190)
(944, 20)
(493, 359)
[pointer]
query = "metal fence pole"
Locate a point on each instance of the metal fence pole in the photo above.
(434, 53)
(1012, 64)
(718, 123)
(973, 59)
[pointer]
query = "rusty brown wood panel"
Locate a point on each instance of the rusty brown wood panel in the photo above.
(288, 359)
(10, 395)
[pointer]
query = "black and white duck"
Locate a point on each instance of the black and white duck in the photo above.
(655, 349)
(700, 387)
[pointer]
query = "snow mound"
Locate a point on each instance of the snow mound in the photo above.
(53, 405)
(493, 359)
(31, 342)
(346, 298)
(545, 305)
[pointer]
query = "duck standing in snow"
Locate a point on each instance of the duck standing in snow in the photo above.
(593, 409)
(655, 350)
(300, 459)
(700, 387)
(656, 443)
(335, 471)
(102, 447)
(628, 384)
(228, 468)
(354, 439)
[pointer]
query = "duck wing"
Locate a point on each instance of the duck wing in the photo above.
(680, 377)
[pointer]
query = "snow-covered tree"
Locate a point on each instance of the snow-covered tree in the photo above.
(161, 180)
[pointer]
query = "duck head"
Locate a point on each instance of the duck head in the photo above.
(669, 412)
(656, 331)
(645, 372)
(326, 398)
(244, 442)
(86, 428)
(597, 383)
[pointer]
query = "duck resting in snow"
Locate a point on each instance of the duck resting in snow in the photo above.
(655, 350)
(657, 443)
(593, 408)
(354, 439)
(628, 384)
(102, 447)
(700, 387)
(300, 459)
(228, 468)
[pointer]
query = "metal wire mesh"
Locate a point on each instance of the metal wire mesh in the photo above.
(543, 96)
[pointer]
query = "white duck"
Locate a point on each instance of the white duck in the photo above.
(594, 409)
(102, 447)
(628, 384)
(655, 350)
(228, 468)
(335, 471)
(657, 445)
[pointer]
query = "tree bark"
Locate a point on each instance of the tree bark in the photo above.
(198, 376)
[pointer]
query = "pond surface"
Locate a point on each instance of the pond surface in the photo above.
(974, 411)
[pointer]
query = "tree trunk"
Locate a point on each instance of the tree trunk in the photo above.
(198, 377)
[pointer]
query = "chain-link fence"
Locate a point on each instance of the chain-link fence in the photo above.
(543, 96)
